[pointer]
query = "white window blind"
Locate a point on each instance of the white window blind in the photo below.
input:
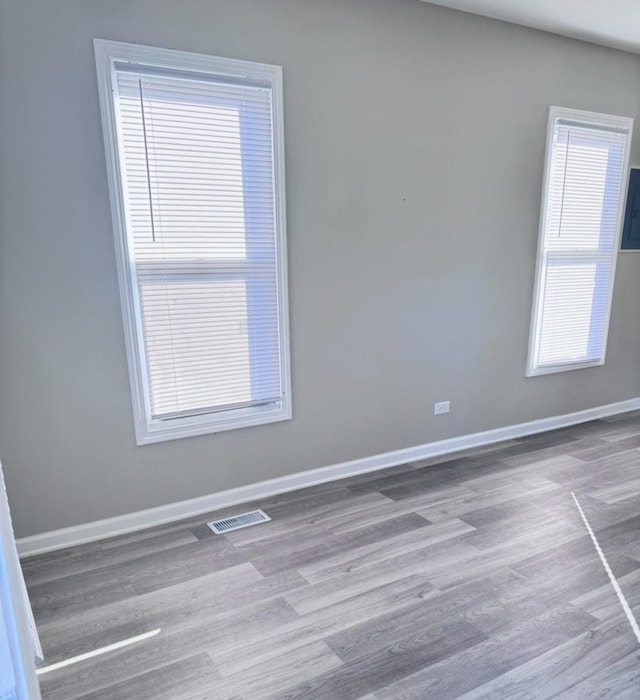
(586, 165)
(200, 189)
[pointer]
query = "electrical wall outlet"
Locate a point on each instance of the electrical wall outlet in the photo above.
(441, 407)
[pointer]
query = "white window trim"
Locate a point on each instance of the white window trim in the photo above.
(147, 430)
(589, 118)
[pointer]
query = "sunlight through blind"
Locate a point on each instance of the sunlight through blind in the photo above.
(581, 222)
(196, 173)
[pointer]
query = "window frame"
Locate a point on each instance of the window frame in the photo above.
(147, 429)
(594, 119)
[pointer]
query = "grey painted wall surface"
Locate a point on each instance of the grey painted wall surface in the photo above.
(414, 139)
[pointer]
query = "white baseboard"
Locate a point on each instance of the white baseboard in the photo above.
(122, 524)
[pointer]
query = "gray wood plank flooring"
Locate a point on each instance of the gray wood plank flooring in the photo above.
(469, 576)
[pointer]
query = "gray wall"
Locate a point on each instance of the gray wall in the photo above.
(414, 139)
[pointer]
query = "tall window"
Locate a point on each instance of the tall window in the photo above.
(196, 168)
(582, 203)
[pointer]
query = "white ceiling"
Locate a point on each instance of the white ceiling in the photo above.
(609, 22)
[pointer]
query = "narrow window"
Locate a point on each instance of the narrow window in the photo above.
(582, 203)
(196, 171)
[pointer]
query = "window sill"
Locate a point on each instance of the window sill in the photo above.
(553, 369)
(154, 431)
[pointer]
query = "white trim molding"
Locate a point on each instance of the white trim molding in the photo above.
(140, 520)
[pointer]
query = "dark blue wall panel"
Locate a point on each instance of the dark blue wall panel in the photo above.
(631, 229)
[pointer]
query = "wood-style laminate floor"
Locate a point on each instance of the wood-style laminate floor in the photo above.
(470, 578)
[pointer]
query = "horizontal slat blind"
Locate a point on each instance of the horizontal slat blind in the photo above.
(584, 188)
(197, 166)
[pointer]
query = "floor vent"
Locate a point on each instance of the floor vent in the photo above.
(235, 522)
